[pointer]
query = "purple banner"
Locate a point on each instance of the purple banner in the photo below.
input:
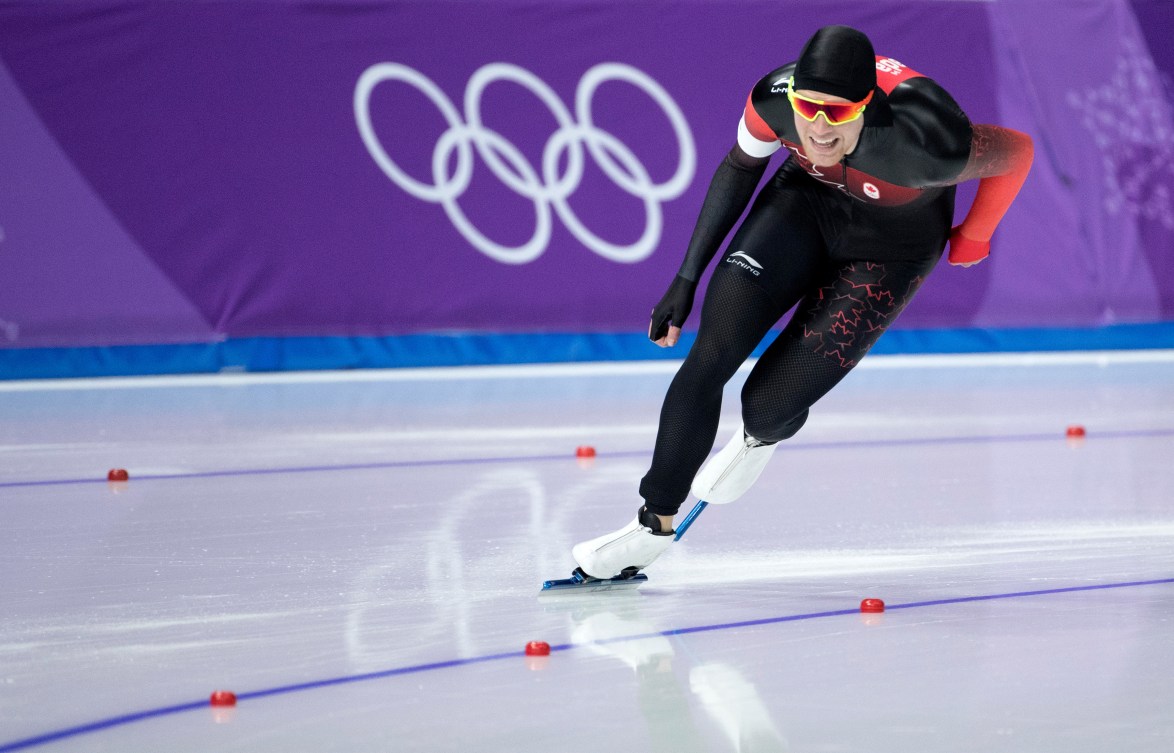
(189, 172)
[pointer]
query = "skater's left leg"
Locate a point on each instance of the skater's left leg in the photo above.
(780, 389)
(831, 331)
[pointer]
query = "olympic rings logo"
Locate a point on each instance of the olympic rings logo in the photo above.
(544, 186)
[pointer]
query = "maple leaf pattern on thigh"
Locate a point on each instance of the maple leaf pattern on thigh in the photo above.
(844, 319)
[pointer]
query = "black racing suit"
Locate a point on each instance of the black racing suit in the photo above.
(850, 245)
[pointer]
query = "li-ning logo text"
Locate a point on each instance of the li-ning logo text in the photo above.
(545, 186)
(745, 261)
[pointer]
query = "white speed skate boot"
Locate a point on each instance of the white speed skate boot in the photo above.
(626, 551)
(730, 473)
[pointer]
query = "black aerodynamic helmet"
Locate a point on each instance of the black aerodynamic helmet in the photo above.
(837, 60)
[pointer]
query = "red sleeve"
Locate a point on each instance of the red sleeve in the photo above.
(1000, 158)
(755, 124)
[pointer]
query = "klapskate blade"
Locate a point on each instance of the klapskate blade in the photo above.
(581, 586)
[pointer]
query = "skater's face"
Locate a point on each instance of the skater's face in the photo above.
(823, 143)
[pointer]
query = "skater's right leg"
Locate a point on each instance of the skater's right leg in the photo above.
(632, 548)
(782, 237)
(736, 315)
(742, 302)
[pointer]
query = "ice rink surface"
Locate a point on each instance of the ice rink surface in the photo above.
(358, 557)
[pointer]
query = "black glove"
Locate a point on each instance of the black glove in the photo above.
(673, 308)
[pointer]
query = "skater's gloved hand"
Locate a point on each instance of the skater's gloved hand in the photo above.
(671, 312)
(966, 251)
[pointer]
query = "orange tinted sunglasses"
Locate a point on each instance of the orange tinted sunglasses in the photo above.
(836, 113)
